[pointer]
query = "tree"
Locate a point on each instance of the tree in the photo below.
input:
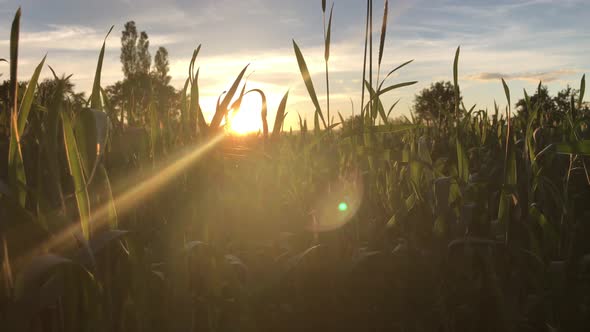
(128, 49)
(436, 103)
(552, 109)
(162, 65)
(143, 84)
(135, 90)
(135, 53)
(48, 87)
(542, 98)
(144, 60)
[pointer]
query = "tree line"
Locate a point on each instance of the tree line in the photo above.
(146, 81)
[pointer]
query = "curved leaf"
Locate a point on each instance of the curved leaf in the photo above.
(280, 117)
(95, 101)
(308, 82)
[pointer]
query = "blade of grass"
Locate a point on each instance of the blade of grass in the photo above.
(392, 107)
(14, 36)
(379, 108)
(15, 161)
(195, 107)
(327, 58)
(389, 88)
(95, 101)
(264, 111)
(276, 130)
(308, 82)
(16, 175)
(456, 82)
(76, 171)
(383, 33)
(582, 91)
(393, 71)
(222, 109)
(365, 63)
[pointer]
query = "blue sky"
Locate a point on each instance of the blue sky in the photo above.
(523, 41)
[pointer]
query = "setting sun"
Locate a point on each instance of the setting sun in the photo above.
(247, 119)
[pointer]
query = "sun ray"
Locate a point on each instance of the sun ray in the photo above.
(129, 198)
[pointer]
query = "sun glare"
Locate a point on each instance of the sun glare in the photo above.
(247, 119)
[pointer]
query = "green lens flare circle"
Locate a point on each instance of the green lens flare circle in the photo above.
(342, 207)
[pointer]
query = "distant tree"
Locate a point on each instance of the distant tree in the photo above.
(135, 90)
(5, 104)
(144, 60)
(552, 109)
(564, 98)
(129, 49)
(436, 103)
(142, 84)
(542, 98)
(47, 88)
(135, 53)
(162, 65)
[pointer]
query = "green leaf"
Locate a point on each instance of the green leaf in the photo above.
(392, 107)
(14, 36)
(389, 88)
(383, 31)
(28, 97)
(578, 148)
(308, 82)
(456, 79)
(379, 109)
(195, 107)
(76, 170)
(582, 91)
(280, 117)
(462, 162)
(191, 66)
(16, 164)
(87, 140)
(393, 71)
(103, 178)
(154, 129)
(342, 118)
(95, 101)
(328, 36)
(316, 123)
(506, 92)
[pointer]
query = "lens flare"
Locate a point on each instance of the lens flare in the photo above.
(342, 207)
(338, 204)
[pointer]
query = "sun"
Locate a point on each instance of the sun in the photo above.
(247, 119)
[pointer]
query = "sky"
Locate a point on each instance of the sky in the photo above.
(523, 41)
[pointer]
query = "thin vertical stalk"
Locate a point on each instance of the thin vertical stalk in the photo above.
(371, 51)
(326, 64)
(365, 64)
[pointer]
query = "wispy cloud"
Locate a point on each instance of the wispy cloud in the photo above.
(73, 38)
(521, 40)
(545, 76)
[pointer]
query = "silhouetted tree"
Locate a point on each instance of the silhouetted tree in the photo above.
(436, 103)
(552, 109)
(129, 98)
(47, 88)
(162, 65)
(129, 49)
(542, 98)
(144, 60)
